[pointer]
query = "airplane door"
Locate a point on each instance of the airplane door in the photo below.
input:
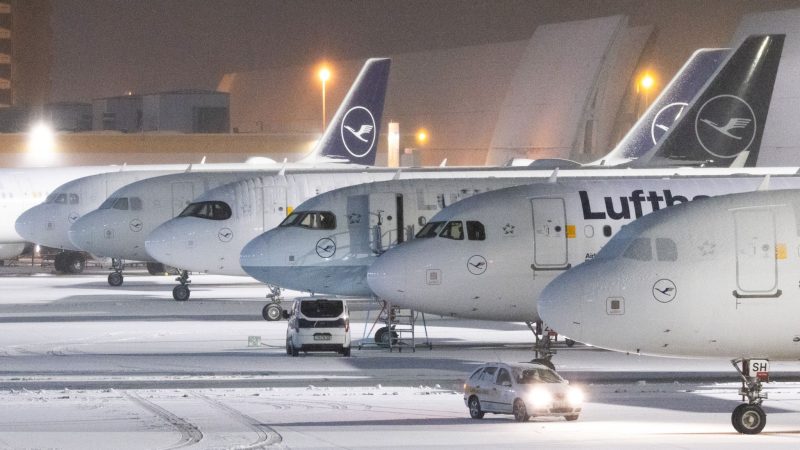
(358, 224)
(274, 206)
(182, 195)
(756, 263)
(383, 220)
(549, 234)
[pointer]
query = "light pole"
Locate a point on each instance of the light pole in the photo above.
(324, 75)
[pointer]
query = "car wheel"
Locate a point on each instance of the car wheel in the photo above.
(181, 293)
(295, 351)
(475, 408)
(115, 279)
(571, 417)
(520, 411)
(570, 343)
(346, 352)
(272, 312)
(749, 419)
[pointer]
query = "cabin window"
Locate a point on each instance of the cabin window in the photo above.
(666, 249)
(453, 230)
(639, 249)
(212, 210)
(431, 229)
(74, 199)
(475, 231)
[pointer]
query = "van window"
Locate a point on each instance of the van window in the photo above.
(503, 377)
(488, 374)
(431, 229)
(475, 231)
(453, 230)
(321, 309)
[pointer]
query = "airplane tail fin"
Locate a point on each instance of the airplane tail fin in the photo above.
(727, 117)
(647, 132)
(352, 134)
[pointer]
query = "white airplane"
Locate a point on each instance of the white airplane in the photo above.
(48, 224)
(169, 243)
(712, 279)
(119, 227)
(535, 232)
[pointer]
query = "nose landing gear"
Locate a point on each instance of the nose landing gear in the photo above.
(181, 292)
(750, 418)
(542, 350)
(273, 310)
(115, 278)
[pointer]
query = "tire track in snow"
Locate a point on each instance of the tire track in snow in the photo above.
(190, 434)
(266, 435)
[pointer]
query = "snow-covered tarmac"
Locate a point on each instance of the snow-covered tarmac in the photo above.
(84, 365)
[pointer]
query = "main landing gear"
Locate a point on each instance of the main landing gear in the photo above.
(750, 418)
(115, 278)
(181, 292)
(69, 262)
(273, 310)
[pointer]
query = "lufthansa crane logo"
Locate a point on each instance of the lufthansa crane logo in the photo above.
(73, 216)
(358, 131)
(476, 264)
(664, 119)
(136, 225)
(664, 290)
(225, 234)
(326, 247)
(725, 126)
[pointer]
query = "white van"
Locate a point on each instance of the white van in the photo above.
(318, 325)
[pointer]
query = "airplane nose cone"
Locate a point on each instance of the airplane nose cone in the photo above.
(46, 225)
(162, 244)
(387, 276)
(87, 233)
(561, 305)
(253, 258)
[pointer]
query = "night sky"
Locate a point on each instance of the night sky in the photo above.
(108, 47)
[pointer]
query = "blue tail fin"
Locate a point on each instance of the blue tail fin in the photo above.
(727, 118)
(667, 107)
(352, 135)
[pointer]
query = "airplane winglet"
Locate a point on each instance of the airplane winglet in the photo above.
(203, 161)
(189, 168)
(764, 186)
(282, 172)
(443, 163)
(553, 176)
(397, 174)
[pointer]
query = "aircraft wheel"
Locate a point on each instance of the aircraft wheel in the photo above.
(272, 312)
(571, 417)
(180, 293)
(520, 411)
(155, 268)
(475, 408)
(749, 419)
(58, 263)
(379, 335)
(570, 343)
(115, 279)
(75, 264)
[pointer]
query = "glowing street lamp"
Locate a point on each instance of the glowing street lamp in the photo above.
(646, 83)
(422, 136)
(324, 75)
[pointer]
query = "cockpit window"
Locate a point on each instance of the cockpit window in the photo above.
(453, 230)
(475, 231)
(74, 199)
(639, 249)
(212, 210)
(666, 249)
(136, 203)
(56, 198)
(431, 229)
(121, 204)
(316, 220)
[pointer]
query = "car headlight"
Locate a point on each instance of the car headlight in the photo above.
(540, 398)
(575, 397)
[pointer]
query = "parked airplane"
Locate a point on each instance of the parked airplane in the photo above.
(56, 217)
(692, 281)
(169, 243)
(119, 227)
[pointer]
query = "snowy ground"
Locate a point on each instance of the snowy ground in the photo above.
(84, 365)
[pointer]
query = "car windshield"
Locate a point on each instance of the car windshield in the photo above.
(431, 229)
(537, 375)
(321, 309)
